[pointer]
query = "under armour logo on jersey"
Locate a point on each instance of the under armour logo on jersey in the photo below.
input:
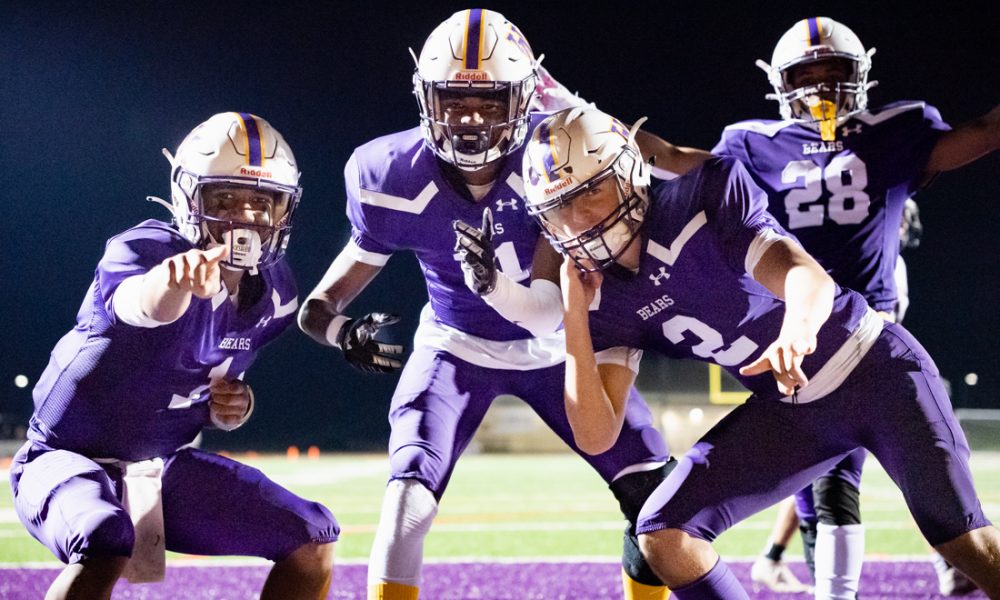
(264, 321)
(512, 203)
(656, 277)
(846, 131)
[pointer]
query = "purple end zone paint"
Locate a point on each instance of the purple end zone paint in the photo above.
(451, 581)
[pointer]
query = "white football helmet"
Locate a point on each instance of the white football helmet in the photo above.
(571, 152)
(476, 52)
(235, 149)
(811, 40)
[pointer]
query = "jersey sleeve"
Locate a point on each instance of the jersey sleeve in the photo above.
(732, 144)
(916, 144)
(622, 356)
(736, 210)
(369, 239)
(133, 252)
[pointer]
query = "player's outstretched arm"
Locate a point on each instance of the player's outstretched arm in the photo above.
(552, 96)
(664, 155)
(163, 294)
(595, 396)
(965, 143)
(791, 274)
(322, 317)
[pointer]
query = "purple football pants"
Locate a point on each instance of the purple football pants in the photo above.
(211, 506)
(893, 404)
(441, 400)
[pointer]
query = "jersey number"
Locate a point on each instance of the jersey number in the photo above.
(218, 372)
(845, 178)
(509, 264)
(711, 344)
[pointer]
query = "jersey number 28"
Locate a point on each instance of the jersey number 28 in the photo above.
(845, 179)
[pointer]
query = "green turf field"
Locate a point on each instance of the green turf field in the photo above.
(501, 506)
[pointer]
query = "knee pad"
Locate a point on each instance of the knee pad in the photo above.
(107, 533)
(634, 563)
(408, 510)
(631, 491)
(837, 502)
(808, 532)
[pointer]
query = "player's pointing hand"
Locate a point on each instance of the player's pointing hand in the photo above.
(197, 271)
(784, 359)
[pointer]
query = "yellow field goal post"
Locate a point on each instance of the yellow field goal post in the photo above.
(716, 395)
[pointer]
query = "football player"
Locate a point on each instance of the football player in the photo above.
(475, 80)
(175, 316)
(837, 174)
(697, 268)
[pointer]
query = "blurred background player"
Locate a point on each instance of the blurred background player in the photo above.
(175, 316)
(769, 569)
(474, 82)
(698, 269)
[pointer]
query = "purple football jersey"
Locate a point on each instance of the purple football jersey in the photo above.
(843, 199)
(400, 198)
(692, 297)
(112, 390)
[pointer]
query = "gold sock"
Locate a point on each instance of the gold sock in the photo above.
(640, 591)
(386, 590)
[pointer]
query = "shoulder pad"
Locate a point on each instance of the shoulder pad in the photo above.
(766, 128)
(884, 113)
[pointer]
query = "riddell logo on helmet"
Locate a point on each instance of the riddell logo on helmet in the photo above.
(254, 172)
(561, 184)
(472, 76)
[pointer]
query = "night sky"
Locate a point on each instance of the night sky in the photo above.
(90, 92)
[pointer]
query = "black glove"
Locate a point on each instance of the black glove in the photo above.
(357, 340)
(475, 249)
